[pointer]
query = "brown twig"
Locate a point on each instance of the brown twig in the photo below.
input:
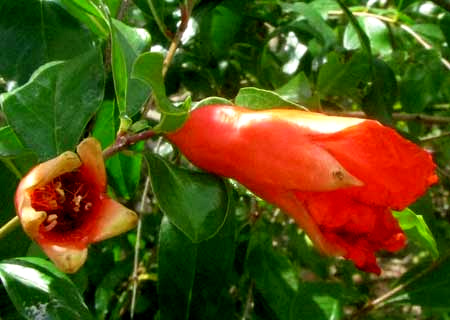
(378, 302)
(396, 116)
(123, 141)
(186, 11)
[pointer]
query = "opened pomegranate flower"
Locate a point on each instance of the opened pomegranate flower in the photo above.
(337, 177)
(62, 205)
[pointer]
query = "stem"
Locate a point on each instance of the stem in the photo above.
(122, 9)
(9, 226)
(249, 303)
(136, 247)
(186, 11)
(396, 116)
(123, 141)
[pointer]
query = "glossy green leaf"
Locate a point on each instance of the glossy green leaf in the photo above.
(193, 278)
(219, 27)
(427, 286)
(196, 203)
(297, 89)
(10, 145)
(362, 36)
(379, 101)
(40, 291)
(338, 78)
(318, 300)
(212, 100)
(90, 14)
(317, 25)
(50, 112)
(421, 81)
(126, 44)
(274, 275)
(259, 99)
(16, 242)
(376, 30)
(431, 32)
(34, 32)
(124, 171)
(417, 230)
(148, 68)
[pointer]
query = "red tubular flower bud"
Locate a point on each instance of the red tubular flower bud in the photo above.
(63, 206)
(337, 177)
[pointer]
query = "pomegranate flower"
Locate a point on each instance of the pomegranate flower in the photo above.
(62, 205)
(337, 177)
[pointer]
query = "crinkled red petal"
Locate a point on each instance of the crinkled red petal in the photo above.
(395, 171)
(358, 228)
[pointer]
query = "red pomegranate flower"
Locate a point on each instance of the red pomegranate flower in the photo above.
(62, 205)
(337, 177)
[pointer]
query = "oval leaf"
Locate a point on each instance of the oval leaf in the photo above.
(196, 203)
(40, 291)
(417, 230)
(259, 99)
(50, 112)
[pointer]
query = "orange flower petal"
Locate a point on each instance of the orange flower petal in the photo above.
(38, 176)
(111, 219)
(93, 168)
(67, 259)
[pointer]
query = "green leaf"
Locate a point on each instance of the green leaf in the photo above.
(105, 292)
(148, 68)
(219, 27)
(212, 100)
(259, 99)
(126, 44)
(10, 145)
(196, 203)
(89, 14)
(193, 278)
(421, 81)
(40, 291)
(316, 24)
(417, 230)
(16, 242)
(382, 95)
(34, 32)
(50, 112)
(362, 36)
(318, 300)
(297, 89)
(431, 32)
(338, 78)
(124, 171)
(377, 32)
(274, 275)
(426, 286)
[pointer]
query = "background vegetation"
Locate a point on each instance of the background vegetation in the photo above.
(72, 68)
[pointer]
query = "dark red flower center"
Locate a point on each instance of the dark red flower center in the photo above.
(67, 200)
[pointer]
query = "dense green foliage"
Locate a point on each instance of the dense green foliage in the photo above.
(206, 247)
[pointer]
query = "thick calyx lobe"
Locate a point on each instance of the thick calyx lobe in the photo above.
(259, 148)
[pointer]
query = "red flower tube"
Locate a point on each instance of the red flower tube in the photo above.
(62, 205)
(337, 177)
